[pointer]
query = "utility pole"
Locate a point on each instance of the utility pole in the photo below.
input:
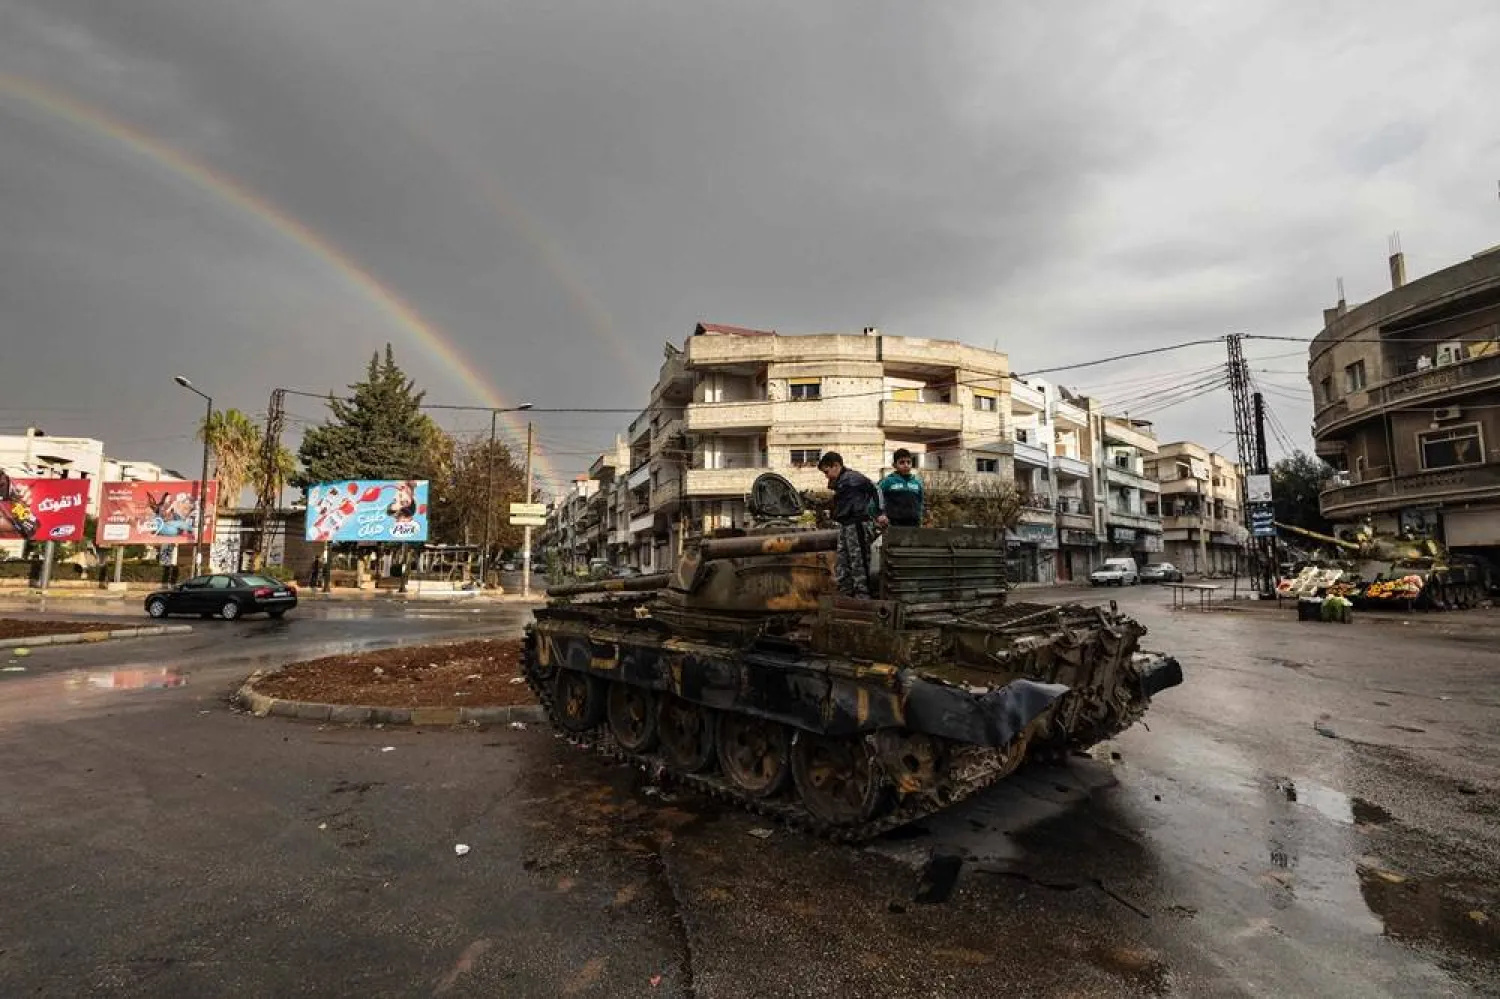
(1246, 440)
(268, 496)
(526, 531)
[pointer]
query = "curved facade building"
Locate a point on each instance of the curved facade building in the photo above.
(1406, 392)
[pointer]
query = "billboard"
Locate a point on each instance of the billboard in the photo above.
(154, 513)
(1257, 488)
(42, 509)
(367, 510)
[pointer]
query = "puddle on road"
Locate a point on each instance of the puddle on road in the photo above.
(161, 678)
(1425, 912)
(1335, 805)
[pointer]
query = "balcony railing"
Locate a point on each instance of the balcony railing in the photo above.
(1036, 501)
(1133, 518)
(905, 414)
(667, 437)
(1416, 388)
(1447, 483)
(666, 493)
(640, 523)
(1072, 467)
(737, 481)
(703, 417)
(1130, 477)
(638, 477)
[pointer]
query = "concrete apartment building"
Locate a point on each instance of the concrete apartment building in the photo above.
(1407, 405)
(733, 403)
(1200, 506)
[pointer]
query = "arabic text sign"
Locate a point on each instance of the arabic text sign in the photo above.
(155, 513)
(43, 509)
(367, 510)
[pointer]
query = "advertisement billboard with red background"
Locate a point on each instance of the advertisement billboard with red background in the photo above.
(154, 513)
(42, 509)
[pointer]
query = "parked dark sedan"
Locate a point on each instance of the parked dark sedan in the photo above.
(228, 596)
(1160, 572)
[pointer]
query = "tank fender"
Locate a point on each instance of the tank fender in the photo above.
(993, 718)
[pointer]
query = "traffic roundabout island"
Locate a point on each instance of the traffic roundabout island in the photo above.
(477, 681)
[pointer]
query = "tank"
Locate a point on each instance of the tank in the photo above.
(1384, 570)
(744, 674)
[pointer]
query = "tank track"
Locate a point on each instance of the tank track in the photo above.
(787, 811)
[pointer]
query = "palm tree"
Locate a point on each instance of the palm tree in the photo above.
(234, 439)
(282, 472)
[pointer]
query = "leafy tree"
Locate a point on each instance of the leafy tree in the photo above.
(380, 432)
(1295, 484)
(470, 494)
(234, 440)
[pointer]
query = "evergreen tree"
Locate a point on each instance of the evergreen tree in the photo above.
(380, 432)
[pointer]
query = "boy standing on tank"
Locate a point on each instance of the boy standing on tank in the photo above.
(901, 497)
(855, 500)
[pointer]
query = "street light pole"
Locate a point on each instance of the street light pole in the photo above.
(526, 542)
(489, 486)
(203, 478)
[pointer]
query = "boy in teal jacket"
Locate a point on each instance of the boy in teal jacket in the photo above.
(902, 494)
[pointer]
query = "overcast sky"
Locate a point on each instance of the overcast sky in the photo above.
(242, 192)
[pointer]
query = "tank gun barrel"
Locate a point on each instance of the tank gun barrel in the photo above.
(632, 584)
(1346, 545)
(790, 543)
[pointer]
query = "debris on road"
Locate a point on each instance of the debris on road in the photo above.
(387, 749)
(1322, 727)
(322, 826)
(655, 981)
(762, 833)
(20, 653)
(12, 669)
(461, 848)
(518, 726)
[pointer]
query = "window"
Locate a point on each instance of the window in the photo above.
(806, 388)
(1151, 508)
(219, 583)
(1023, 436)
(1451, 447)
(1325, 387)
(805, 457)
(990, 465)
(1354, 377)
(985, 403)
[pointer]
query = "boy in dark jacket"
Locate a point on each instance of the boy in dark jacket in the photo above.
(855, 500)
(901, 494)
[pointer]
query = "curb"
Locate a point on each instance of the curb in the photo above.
(261, 705)
(102, 635)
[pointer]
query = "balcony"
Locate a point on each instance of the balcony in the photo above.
(641, 523)
(1035, 501)
(702, 482)
(1376, 494)
(639, 477)
(1030, 454)
(667, 494)
(1074, 416)
(667, 437)
(1075, 518)
(755, 414)
(1071, 467)
(1130, 477)
(1127, 518)
(1430, 387)
(1121, 433)
(908, 415)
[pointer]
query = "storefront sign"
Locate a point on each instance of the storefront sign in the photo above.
(1041, 535)
(1079, 539)
(1262, 520)
(1122, 535)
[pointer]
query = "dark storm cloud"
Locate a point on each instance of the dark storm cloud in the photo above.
(563, 186)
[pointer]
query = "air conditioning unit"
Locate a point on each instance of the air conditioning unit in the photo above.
(1447, 413)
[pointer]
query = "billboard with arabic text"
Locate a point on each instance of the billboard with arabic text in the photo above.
(154, 513)
(42, 509)
(367, 510)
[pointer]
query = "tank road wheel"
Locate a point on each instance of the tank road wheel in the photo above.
(686, 731)
(838, 779)
(579, 699)
(755, 754)
(632, 717)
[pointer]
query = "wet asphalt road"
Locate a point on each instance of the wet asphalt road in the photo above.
(1313, 813)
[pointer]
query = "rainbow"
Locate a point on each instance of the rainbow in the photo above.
(401, 314)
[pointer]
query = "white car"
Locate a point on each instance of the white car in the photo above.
(1115, 572)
